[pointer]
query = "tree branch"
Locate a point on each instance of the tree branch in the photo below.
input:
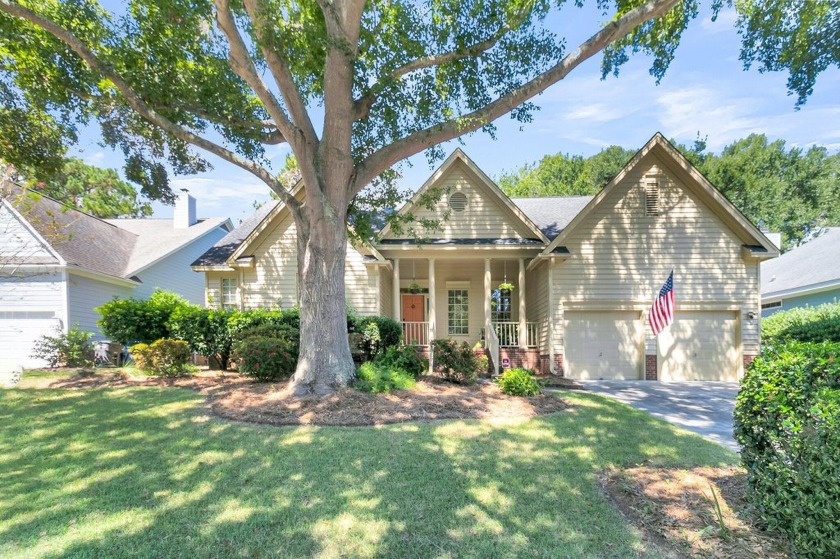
(143, 108)
(363, 105)
(413, 143)
(279, 67)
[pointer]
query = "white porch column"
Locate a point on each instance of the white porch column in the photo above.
(488, 316)
(432, 302)
(523, 321)
(397, 302)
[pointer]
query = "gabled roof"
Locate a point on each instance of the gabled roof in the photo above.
(679, 164)
(810, 266)
(224, 248)
(459, 156)
(113, 247)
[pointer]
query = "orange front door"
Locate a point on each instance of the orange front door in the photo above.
(414, 313)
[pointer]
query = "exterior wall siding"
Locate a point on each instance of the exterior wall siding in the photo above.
(484, 216)
(622, 256)
(18, 244)
(85, 294)
(536, 302)
(810, 300)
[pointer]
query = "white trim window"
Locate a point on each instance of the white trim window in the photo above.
(230, 294)
(459, 312)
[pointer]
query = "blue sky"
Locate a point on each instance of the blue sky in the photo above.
(705, 91)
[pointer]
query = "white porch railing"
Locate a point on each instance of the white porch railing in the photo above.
(491, 343)
(415, 333)
(508, 333)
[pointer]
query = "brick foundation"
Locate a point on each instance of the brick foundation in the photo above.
(650, 367)
(524, 358)
(748, 359)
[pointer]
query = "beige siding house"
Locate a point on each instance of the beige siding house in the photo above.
(584, 271)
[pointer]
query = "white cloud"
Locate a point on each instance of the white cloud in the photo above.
(596, 112)
(216, 191)
(725, 22)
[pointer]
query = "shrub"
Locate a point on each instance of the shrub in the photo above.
(246, 320)
(207, 331)
(787, 420)
(519, 382)
(73, 349)
(806, 324)
(372, 377)
(132, 320)
(266, 359)
(378, 334)
(405, 358)
(163, 357)
(457, 362)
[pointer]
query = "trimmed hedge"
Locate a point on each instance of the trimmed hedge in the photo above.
(787, 420)
(130, 321)
(806, 324)
(266, 359)
(519, 382)
(163, 357)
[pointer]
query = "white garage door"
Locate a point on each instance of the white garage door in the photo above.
(18, 332)
(700, 345)
(604, 345)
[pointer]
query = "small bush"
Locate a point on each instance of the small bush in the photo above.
(787, 420)
(163, 357)
(405, 358)
(131, 320)
(207, 331)
(378, 334)
(73, 349)
(266, 359)
(456, 362)
(375, 378)
(519, 382)
(806, 324)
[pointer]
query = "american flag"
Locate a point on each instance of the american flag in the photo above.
(661, 313)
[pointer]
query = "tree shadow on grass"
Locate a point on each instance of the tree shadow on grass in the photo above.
(144, 472)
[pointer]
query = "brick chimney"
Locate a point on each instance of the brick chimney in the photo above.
(184, 211)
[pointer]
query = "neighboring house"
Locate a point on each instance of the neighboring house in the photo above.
(806, 275)
(584, 269)
(57, 264)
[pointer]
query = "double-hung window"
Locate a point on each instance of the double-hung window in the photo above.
(230, 294)
(459, 311)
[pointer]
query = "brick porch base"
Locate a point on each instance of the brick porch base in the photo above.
(650, 367)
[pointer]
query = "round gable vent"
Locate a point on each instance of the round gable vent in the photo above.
(458, 201)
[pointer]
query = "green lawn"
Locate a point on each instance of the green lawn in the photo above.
(143, 472)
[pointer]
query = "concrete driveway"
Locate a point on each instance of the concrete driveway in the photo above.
(702, 407)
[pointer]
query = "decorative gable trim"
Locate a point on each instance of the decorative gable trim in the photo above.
(484, 181)
(712, 197)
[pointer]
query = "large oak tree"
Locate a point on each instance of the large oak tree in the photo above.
(391, 78)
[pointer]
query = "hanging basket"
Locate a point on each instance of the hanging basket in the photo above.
(506, 287)
(414, 289)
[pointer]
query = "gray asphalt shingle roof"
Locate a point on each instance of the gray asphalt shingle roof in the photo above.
(115, 247)
(814, 262)
(227, 245)
(552, 213)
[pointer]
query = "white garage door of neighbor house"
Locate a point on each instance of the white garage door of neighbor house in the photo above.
(700, 345)
(604, 345)
(18, 333)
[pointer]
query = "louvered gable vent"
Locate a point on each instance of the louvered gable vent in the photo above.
(651, 185)
(458, 202)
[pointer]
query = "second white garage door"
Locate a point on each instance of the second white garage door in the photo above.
(700, 345)
(604, 345)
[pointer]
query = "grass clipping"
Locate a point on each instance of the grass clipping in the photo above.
(699, 512)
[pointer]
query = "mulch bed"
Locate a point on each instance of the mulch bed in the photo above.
(235, 397)
(675, 509)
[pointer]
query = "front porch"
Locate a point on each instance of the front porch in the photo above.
(475, 300)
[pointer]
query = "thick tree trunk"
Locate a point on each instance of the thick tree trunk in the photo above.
(325, 363)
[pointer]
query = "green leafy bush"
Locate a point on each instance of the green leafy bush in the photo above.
(805, 324)
(378, 334)
(372, 377)
(207, 331)
(456, 362)
(247, 320)
(163, 357)
(266, 359)
(519, 382)
(73, 349)
(131, 320)
(787, 420)
(405, 358)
